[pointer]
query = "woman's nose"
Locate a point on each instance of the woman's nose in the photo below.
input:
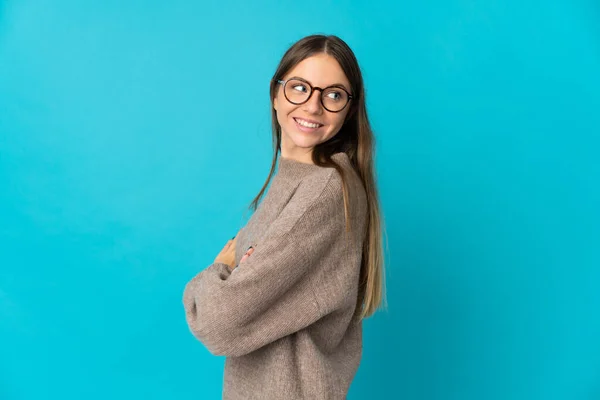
(313, 104)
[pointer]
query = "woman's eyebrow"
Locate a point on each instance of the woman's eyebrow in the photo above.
(306, 80)
(338, 85)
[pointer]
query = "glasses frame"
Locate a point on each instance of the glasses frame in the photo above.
(312, 89)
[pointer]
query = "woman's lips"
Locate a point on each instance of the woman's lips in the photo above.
(306, 128)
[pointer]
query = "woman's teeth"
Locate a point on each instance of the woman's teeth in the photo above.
(307, 124)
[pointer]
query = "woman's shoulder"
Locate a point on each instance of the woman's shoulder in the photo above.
(326, 183)
(323, 184)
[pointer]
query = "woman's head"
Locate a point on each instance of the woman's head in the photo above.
(328, 63)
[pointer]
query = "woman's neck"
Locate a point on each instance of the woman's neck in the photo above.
(301, 155)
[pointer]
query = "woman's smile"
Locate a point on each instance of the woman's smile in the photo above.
(306, 126)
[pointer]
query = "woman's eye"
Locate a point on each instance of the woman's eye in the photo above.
(334, 95)
(300, 88)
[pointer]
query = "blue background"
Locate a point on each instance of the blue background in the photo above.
(134, 134)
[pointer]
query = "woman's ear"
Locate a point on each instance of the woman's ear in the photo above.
(350, 114)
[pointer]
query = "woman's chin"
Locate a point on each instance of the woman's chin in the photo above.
(302, 139)
(305, 144)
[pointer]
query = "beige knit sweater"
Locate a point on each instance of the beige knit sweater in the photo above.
(285, 318)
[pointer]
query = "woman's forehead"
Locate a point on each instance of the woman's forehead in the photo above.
(320, 70)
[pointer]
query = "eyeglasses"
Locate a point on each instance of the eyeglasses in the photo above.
(297, 91)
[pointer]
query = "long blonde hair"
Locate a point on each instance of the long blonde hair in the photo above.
(356, 139)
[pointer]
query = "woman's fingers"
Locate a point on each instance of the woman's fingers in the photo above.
(250, 251)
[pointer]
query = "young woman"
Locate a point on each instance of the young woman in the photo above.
(285, 298)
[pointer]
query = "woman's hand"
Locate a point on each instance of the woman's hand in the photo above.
(250, 251)
(227, 255)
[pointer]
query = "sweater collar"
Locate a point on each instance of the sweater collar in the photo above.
(292, 169)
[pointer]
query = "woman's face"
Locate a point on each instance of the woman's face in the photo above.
(297, 141)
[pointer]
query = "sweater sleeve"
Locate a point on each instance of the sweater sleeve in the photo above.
(269, 295)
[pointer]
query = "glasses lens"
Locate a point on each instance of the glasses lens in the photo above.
(297, 91)
(334, 99)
